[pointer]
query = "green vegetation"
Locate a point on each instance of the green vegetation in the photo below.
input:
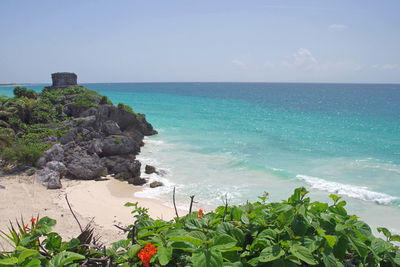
(79, 122)
(117, 140)
(28, 118)
(296, 232)
(125, 107)
(31, 171)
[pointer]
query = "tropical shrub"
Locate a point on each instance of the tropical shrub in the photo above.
(296, 232)
(23, 92)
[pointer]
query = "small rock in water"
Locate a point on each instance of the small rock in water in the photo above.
(2, 187)
(156, 184)
(150, 169)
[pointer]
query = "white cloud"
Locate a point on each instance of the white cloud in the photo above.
(302, 59)
(337, 27)
(385, 66)
(239, 63)
(389, 67)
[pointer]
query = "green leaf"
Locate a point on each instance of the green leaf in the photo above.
(26, 253)
(197, 234)
(224, 242)
(286, 218)
(238, 235)
(267, 233)
(9, 261)
(335, 198)
(233, 264)
(237, 213)
(130, 204)
(74, 242)
(271, 253)
(53, 242)
(284, 263)
(330, 239)
(64, 258)
(303, 254)
(318, 207)
(364, 229)
(244, 219)
(192, 240)
(134, 250)
(358, 245)
(207, 258)
(164, 255)
(385, 231)
(340, 248)
(225, 228)
(299, 225)
(379, 245)
(35, 262)
(311, 242)
(29, 239)
(44, 225)
(396, 259)
(329, 260)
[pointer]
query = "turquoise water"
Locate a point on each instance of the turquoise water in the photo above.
(242, 139)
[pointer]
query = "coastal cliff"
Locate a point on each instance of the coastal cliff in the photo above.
(70, 131)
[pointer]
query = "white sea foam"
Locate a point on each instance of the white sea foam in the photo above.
(348, 190)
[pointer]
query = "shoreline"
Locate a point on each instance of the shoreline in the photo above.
(101, 202)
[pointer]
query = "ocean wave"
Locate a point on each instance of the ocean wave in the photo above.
(352, 191)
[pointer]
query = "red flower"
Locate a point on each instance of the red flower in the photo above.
(26, 228)
(146, 253)
(33, 220)
(200, 214)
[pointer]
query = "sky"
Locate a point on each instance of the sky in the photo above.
(337, 41)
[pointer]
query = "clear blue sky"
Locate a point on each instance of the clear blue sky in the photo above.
(248, 40)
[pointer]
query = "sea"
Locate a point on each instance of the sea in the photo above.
(241, 140)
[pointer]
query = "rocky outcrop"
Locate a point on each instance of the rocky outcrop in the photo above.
(101, 140)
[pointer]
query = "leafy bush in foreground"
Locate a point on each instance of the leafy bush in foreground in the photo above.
(296, 232)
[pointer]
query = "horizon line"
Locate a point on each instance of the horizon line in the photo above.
(46, 83)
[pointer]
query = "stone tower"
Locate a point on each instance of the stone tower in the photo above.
(64, 79)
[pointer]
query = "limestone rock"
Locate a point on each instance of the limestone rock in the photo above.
(41, 162)
(137, 181)
(68, 137)
(119, 145)
(111, 128)
(49, 178)
(55, 153)
(57, 166)
(85, 166)
(88, 121)
(156, 184)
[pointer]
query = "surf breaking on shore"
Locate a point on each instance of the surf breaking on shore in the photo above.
(353, 191)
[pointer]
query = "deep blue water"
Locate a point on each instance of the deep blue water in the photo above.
(242, 139)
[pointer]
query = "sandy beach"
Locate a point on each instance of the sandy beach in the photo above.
(100, 201)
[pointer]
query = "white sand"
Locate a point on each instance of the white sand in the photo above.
(102, 201)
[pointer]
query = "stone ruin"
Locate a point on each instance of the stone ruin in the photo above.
(63, 80)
